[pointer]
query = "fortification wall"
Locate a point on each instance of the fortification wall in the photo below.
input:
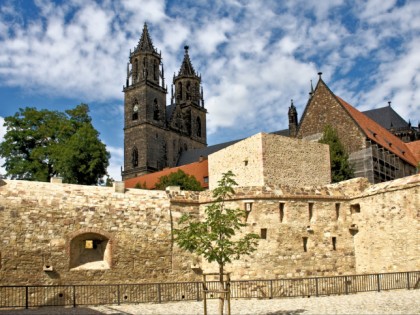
(87, 234)
(50, 226)
(388, 219)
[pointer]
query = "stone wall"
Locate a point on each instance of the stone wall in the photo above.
(267, 159)
(54, 233)
(388, 222)
(39, 221)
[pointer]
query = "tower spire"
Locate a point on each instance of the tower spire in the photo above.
(145, 42)
(186, 67)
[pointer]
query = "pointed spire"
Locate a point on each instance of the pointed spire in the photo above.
(145, 42)
(186, 67)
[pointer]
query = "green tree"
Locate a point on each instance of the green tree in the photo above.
(214, 238)
(179, 178)
(40, 144)
(341, 169)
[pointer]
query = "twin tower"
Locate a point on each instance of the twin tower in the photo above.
(156, 134)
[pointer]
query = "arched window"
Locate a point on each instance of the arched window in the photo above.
(155, 70)
(179, 92)
(155, 109)
(90, 251)
(135, 113)
(198, 126)
(144, 67)
(136, 70)
(188, 90)
(135, 157)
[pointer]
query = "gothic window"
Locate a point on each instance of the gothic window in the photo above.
(135, 157)
(136, 69)
(155, 109)
(198, 131)
(188, 90)
(155, 70)
(144, 67)
(135, 114)
(179, 92)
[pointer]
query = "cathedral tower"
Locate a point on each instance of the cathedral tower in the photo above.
(155, 135)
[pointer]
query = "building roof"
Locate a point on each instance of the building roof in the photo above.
(194, 155)
(379, 134)
(145, 42)
(198, 169)
(415, 149)
(186, 67)
(387, 117)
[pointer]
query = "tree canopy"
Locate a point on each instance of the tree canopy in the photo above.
(179, 178)
(40, 144)
(341, 169)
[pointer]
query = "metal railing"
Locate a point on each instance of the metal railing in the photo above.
(74, 295)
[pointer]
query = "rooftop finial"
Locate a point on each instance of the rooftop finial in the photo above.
(320, 74)
(186, 49)
(389, 103)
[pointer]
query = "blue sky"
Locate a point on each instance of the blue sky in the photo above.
(254, 57)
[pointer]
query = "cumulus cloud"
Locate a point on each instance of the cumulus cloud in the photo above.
(254, 56)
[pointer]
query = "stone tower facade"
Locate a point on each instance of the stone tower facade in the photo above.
(155, 135)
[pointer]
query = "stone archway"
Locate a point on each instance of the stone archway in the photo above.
(90, 251)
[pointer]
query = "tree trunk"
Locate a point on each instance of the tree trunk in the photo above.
(221, 288)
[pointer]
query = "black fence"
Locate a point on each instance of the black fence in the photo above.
(74, 295)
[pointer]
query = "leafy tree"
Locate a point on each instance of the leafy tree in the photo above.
(40, 144)
(214, 238)
(341, 169)
(179, 178)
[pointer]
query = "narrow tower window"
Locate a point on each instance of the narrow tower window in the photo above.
(155, 109)
(135, 157)
(198, 133)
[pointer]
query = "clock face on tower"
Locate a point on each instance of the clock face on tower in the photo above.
(135, 108)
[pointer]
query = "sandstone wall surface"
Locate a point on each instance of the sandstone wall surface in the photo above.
(267, 159)
(38, 222)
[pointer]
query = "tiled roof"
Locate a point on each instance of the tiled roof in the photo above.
(379, 134)
(194, 155)
(387, 117)
(415, 149)
(199, 170)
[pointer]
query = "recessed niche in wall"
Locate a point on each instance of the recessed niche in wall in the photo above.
(90, 251)
(305, 243)
(334, 242)
(263, 234)
(281, 211)
(337, 210)
(310, 210)
(355, 208)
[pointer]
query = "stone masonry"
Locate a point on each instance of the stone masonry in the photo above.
(69, 234)
(267, 159)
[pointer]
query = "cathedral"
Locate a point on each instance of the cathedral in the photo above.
(156, 134)
(382, 146)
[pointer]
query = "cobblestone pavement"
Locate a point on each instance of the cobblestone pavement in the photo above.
(385, 302)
